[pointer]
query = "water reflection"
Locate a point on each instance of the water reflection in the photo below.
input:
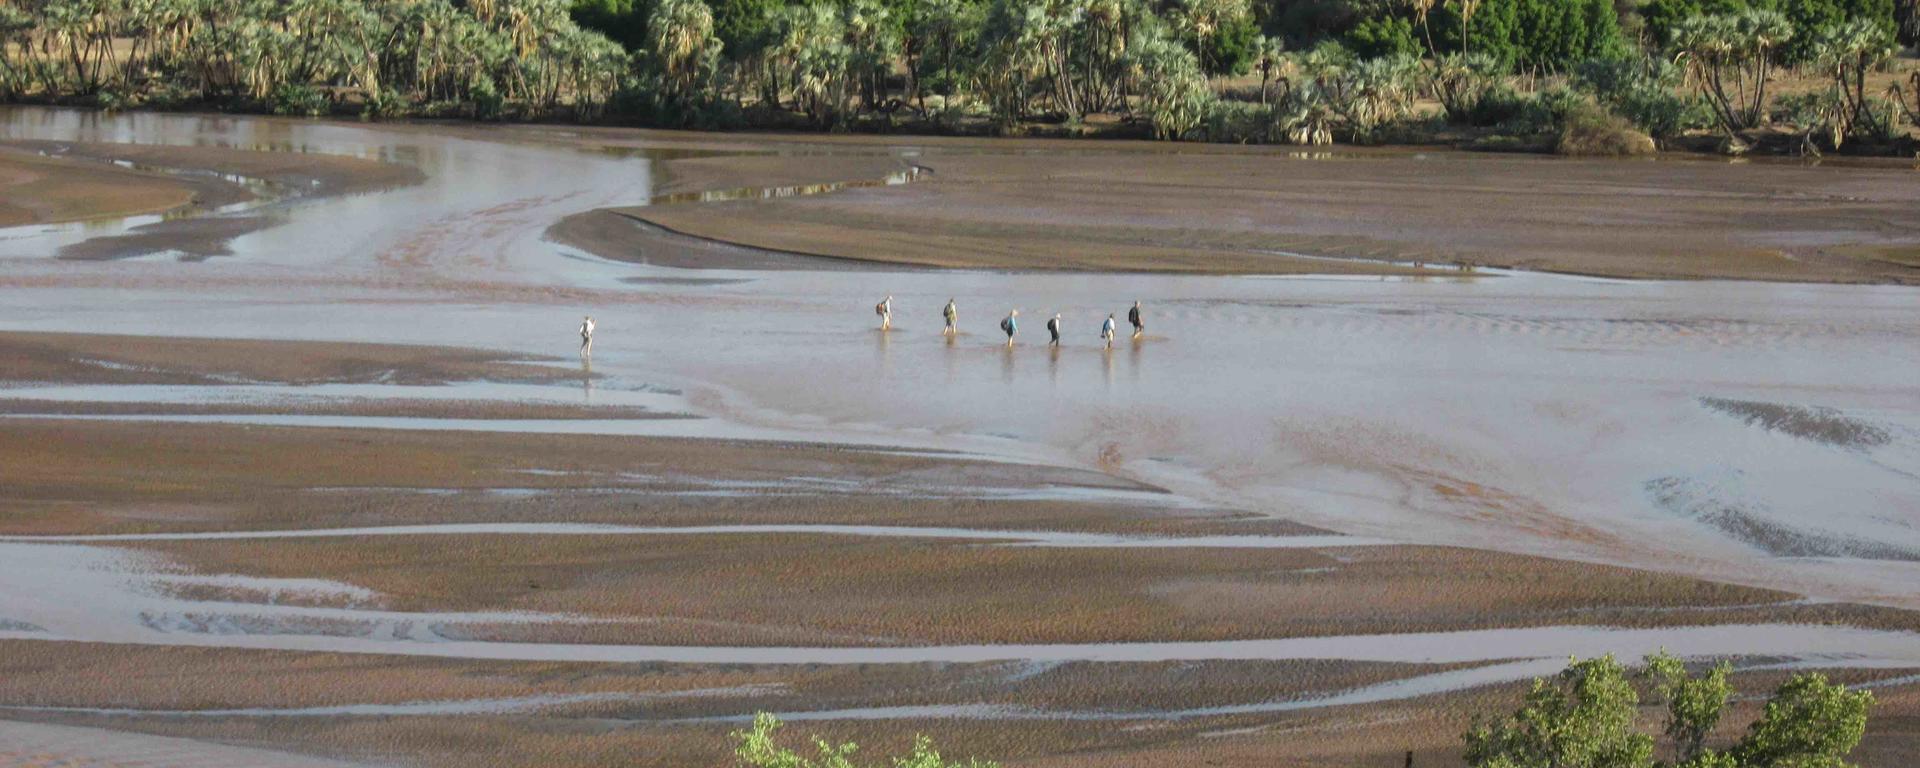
(911, 174)
(586, 377)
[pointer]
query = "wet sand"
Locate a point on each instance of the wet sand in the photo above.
(42, 190)
(73, 358)
(1119, 206)
(192, 184)
(500, 713)
(826, 588)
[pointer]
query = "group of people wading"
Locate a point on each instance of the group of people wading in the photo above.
(1011, 323)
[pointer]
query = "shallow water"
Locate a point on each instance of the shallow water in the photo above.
(1527, 413)
(1395, 690)
(1029, 538)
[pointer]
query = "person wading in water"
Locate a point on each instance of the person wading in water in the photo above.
(1133, 316)
(885, 310)
(952, 316)
(1053, 328)
(1011, 325)
(1106, 331)
(586, 336)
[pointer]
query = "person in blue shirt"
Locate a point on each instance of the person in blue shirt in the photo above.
(1011, 325)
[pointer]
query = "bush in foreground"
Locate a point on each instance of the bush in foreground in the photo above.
(755, 747)
(1586, 718)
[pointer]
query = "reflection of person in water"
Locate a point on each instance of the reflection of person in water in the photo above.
(952, 315)
(586, 336)
(1053, 328)
(885, 310)
(1133, 316)
(1011, 325)
(1106, 331)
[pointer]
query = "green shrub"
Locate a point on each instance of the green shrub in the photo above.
(1175, 96)
(756, 748)
(299, 101)
(1521, 114)
(487, 101)
(1663, 114)
(1663, 16)
(1588, 129)
(1645, 92)
(115, 99)
(1546, 35)
(1501, 105)
(1231, 52)
(1587, 716)
(1462, 82)
(1384, 36)
(1238, 122)
(383, 105)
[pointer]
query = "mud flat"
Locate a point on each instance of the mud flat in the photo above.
(42, 190)
(377, 584)
(211, 195)
(1120, 206)
(378, 710)
(72, 358)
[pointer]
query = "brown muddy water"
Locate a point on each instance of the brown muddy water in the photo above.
(1759, 433)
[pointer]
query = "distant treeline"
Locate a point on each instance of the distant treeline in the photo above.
(1326, 69)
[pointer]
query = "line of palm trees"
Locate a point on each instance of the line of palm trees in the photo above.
(838, 62)
(306, 55)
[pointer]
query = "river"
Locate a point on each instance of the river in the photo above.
(1766, 434)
